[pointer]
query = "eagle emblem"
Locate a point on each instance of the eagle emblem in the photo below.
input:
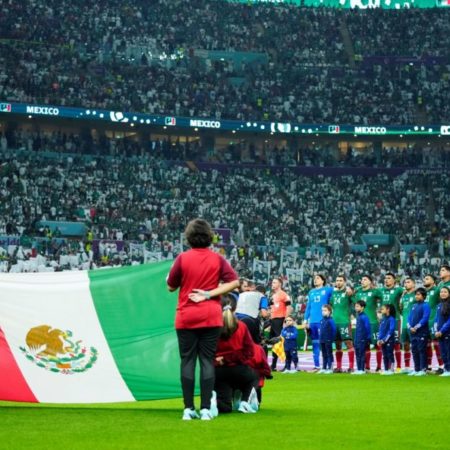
(56, 350)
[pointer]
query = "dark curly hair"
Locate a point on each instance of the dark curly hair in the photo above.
(199, 233)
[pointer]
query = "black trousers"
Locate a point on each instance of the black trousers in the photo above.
(254, 328)
(229, 379)
(198, 343)
(419, 352)
(276, 325)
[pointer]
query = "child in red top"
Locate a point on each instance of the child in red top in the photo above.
(234, 355)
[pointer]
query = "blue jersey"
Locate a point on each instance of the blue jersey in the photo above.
(363, 331)
(316, 299)
(387, 329)
(418, 318)
(327, 332)
(441, 322)
(290, 334)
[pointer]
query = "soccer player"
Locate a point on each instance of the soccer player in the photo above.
(444, 275)
(342, 308)
(372, 297)
(418, 328)
(406, 304)
(317, 297)
(429, 283)
(391, 296)
(279, 310)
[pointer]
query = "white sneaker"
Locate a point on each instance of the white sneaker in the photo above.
(189, 414)
(293, 371)
(245, 408)
(213, 408)
(253, 400)
(421, 373)
(205, 414)
(413, 373)
(359, 372)
(406, 370)
(328, 372)
(445, 374)
(387, 372)
(321, 371)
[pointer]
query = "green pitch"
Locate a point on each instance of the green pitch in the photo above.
(299, 411)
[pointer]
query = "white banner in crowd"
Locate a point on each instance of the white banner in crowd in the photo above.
(287, 259)
(295, 279)
(150, 257)
(261, 271)
(137, 250)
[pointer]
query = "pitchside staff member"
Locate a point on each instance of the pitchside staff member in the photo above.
(279, 310)
(251, 306)
(198, 321)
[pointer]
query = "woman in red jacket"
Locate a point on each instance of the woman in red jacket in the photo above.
(198, 273)
(234, 356)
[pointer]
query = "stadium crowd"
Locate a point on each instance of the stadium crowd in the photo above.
(154, 57)
(148, 199)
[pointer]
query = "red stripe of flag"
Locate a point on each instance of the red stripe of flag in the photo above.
(13, 386)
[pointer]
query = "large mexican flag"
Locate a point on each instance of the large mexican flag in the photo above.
(88, 337)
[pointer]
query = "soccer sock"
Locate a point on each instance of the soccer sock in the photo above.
(407, 358)
(367, 359)
(437, 351)
(316, 353)
(351, 358)
(429, 354)
(339, 354)
(398, 355)
(379, 357)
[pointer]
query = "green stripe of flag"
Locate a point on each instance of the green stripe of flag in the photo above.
(137, 314)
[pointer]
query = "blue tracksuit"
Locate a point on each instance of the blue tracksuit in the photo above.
(442, 324)
(418, 319)
(387, 335)
(290, 334)
(363, 334)
(316, 299)
(327, 334)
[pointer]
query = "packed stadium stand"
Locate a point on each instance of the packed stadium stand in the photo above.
(224, 60)
(220, 59)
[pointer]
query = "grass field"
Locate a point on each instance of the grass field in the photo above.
(299, 411)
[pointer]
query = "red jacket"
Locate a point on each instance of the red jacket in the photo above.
(199, 268)
(259, 364)
(238, 349)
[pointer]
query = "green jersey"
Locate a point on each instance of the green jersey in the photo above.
(406, 303)
(432, 300)
(341, 304)
(372, 297)
(443, 284)
(391, 296)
